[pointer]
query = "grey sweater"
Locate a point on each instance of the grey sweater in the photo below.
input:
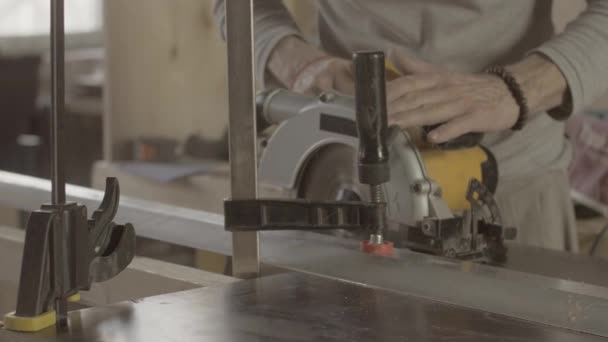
(466, 35)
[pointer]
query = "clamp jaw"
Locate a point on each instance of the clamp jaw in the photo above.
(269, 214)
(64, 253)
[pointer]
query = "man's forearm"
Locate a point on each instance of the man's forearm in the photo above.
(272, 22)
(542, 82)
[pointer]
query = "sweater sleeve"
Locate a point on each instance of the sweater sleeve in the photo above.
(581, 53)
(272, 22)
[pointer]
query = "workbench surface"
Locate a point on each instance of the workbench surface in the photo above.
(293, 307)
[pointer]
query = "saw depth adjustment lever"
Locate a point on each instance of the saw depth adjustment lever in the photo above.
(299, 214)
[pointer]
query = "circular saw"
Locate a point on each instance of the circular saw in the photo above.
(439, 201)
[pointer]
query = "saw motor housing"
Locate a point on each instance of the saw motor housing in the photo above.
(439, 201)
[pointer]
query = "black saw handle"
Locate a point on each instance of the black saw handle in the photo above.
(372, 118)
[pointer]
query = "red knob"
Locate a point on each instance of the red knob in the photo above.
(384, 249)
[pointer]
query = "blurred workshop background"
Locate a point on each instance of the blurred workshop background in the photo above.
(147, 102)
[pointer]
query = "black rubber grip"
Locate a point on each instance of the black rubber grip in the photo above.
(372, 120)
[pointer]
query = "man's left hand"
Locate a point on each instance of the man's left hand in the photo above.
(460, 102)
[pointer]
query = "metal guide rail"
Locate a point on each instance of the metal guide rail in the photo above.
(553, 286)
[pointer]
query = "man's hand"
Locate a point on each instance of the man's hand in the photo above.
(325, 74)
(429, 95)
(305, 69)
(466, 102)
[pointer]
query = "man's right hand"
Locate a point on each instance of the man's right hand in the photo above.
(307, 70)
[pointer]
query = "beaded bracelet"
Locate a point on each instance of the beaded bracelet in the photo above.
(516, 92)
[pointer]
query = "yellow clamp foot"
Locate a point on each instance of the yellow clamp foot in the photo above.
(29, 324)
(74, 298)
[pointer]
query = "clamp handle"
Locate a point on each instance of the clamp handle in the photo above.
(372, 118)
(112, 245)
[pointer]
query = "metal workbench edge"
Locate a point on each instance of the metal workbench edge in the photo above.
(558, 302)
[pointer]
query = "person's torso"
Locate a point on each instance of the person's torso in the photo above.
(466, 35)
(463, 34)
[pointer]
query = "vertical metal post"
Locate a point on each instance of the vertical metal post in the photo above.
(57, 101)
(58, 255)
(243, 144)
(108, 141)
